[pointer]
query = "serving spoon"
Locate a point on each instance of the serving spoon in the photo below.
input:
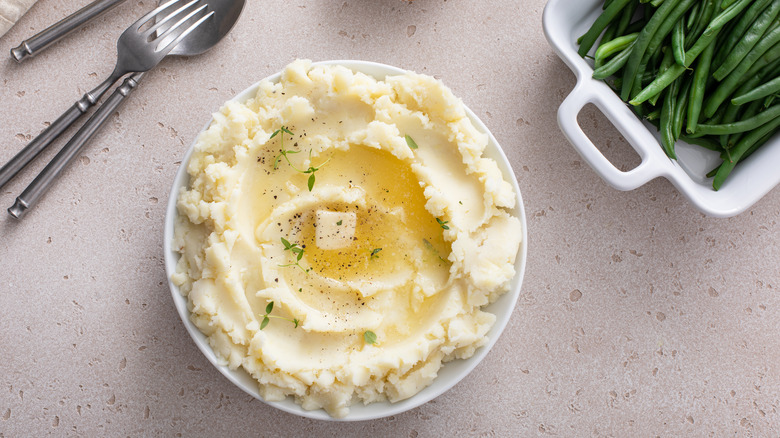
(201, 39)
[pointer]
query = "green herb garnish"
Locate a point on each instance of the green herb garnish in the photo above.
(267, 317)
(375, 253)
(339, 222)
(410, 142)
(283, 154)
(443, 224)
(430, 247)
(297, 251)
(369, 337)
(311, 170)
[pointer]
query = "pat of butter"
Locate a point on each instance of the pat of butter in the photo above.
(335, 229)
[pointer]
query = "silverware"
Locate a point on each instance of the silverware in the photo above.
(207, 35)
(36, 44)
(137, 51)
(131, 40)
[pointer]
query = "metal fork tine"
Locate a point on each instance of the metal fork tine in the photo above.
(163, 20)
(145, 19)
(186, 32)
(177, 31)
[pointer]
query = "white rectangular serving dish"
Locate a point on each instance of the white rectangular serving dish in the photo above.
(566, 20)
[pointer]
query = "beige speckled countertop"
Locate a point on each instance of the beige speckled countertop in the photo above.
(638, 315)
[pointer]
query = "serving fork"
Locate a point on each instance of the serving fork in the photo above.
(141, 47)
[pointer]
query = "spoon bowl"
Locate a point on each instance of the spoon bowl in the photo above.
(226, 13)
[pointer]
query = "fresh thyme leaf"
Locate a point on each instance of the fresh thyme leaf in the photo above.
(430, 247)
(410, 142)
(284, 152)
(297, 251)
(267, 317)
(443, 224)
(311, 181)
(369, 337)
(339, 222)
(300, 289)
(375, 252)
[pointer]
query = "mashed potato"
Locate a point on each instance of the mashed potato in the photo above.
(359, 208)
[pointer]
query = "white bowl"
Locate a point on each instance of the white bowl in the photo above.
(564, 21)
(450, 374)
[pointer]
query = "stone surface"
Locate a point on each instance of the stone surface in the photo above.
(638, 316)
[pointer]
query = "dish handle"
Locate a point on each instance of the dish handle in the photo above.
(652, 165)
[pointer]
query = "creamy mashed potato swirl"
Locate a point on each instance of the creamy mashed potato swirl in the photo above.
(405, 243)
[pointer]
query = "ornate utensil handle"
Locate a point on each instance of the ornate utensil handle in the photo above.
(46, 178)
(32, 46)
(45, 138)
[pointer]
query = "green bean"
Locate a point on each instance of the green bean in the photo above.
(740, 27)
(714, 171)
(732, 49)
(768, 101)
(609, 14)
(748, 41)
(680, 107)
(618, 44)
(756, 145)
(667, 114)
(739, 150)
(605, 39)
(703, 142)
(617, 81)
(625, 18)
(729, 116)
(641, 44)
(666, 62)
(752, 109)
(766, 65)
(693, 15)
(707, 38)
(636, 26)
(743, 125)
(660, 83)
(734, 79)
(610, 33)
(700, 75)
(762, 90)
(653, 115)
(616, 63)
(708, 9)
(727, 156)
(658, 38)
(713, 29)
(678, 42)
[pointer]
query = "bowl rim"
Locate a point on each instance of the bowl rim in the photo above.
(455, 370)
